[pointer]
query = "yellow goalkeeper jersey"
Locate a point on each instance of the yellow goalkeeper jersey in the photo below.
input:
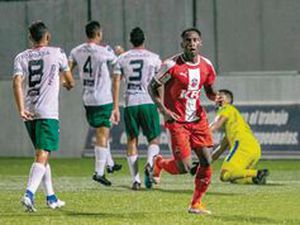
(235, 127)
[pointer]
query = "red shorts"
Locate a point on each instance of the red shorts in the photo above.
(187, 136)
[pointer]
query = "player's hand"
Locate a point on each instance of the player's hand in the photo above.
(26, 115)
(115, 116)
(219, 99)
(67, 85)
(119, 50)
(170, 116)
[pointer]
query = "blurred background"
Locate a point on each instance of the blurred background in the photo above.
(254, 46)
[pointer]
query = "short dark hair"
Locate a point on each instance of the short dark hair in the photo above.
(137, 36)
(191, 29)
(37, 30)
(227, 93)
(92, 28)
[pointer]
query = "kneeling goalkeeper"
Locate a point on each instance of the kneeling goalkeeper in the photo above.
(244, 149)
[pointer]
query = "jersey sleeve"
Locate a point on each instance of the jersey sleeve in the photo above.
(72, 56)
(63, 61)
(211, 77)
(157, 64)
(117, 67)
(163, 75)
(18, 69)
(111, 55)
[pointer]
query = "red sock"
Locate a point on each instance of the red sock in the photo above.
(202, 181)
(169, 165)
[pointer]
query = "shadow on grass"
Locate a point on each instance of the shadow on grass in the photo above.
(254, 219)
(185, 191)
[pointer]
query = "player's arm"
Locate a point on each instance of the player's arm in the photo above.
(156, 89)
(217, 152)
(68, 80)
(210, 92)
(116, 79)
(115, 117)
(218, 123)
(19, 97)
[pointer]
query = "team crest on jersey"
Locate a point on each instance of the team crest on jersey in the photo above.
(194, 82)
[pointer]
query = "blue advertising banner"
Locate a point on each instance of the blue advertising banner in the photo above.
(276, 127)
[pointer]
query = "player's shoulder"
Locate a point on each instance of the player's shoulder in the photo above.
(171, 61)
(22, 54)
(53, 50)
(206, 60)
(104, 48)
(78, 47)
(151, 54)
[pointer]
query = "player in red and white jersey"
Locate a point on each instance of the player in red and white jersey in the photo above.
(182, 78)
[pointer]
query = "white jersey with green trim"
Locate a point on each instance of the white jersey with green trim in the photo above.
(41, 68)
(93, 61)
(138, 66)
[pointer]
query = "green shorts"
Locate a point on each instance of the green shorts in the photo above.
(144, 116)
(99, 116)
(44, 133)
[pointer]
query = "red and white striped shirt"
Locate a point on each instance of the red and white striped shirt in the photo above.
(182, 84)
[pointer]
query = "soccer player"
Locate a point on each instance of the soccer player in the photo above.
(182, 78)
(93, 62)
(36, 87)
(138, 66)
(244, 149)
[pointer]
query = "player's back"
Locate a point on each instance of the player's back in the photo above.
(138, 67)
(236, 128)
(41, 67)
(92, 60)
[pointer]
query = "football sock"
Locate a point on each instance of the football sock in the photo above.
(36, 174)
(202, 181)
(133, 168)
(47, 181)
(238, 174)
(110, 162)
(153, 150)
(169, 165)
(100, 159)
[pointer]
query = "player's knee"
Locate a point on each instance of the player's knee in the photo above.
(183, 167)
(205, 161)
(154, 141)
(225, 175)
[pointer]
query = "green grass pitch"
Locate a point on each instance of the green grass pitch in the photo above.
(90, 203)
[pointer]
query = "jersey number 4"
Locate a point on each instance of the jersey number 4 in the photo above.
(87, 67)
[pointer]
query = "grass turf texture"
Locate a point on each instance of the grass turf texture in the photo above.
(88, 202)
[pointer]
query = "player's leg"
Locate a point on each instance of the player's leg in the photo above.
(201, 141)
(98, 117)
(236, 164)
(202, 181)
(101, 152)
(149, 122)
(181, 161)
(51, 199)
(111, 165)
(44, 135)
(132, 158)
(132, 132)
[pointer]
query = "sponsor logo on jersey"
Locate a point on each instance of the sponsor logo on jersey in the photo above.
(188, 94)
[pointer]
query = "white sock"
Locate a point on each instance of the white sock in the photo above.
(47, 181)
(134, 168)
(110, 162)
(153, 150)
(100, 159)
(36, 174)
